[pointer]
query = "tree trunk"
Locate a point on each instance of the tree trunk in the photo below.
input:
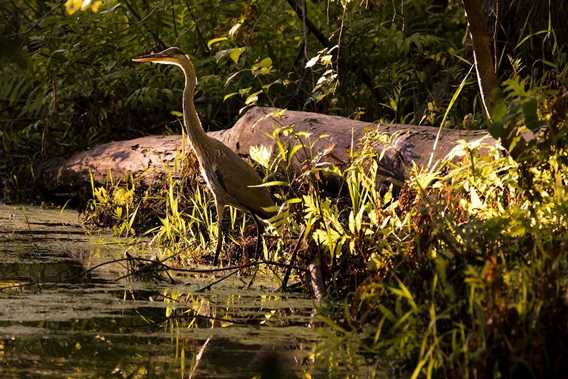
(481, 39)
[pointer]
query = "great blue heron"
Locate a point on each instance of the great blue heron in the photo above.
(230, 179)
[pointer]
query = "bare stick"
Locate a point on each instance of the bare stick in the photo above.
(198, 357)
(293, 258)
(217, 281)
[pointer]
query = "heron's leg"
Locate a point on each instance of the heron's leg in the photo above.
(259, 229)
(221, 230)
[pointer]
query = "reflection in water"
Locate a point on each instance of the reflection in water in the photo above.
(59, 320)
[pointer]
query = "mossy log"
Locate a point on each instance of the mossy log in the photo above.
(147, 158)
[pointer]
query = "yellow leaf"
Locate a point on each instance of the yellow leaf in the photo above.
(235, 54)
(234, 29)
(96, 6)
(85, 5)
(215, 41)
(261, 154)
(326, 60)
(476, 202)
(72, 6)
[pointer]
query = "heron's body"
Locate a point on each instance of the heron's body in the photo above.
(230, 179)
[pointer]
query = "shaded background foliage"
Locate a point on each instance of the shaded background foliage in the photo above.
(68, 83)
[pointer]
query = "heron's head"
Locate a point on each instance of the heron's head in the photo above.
(175, 56)
(171, 55)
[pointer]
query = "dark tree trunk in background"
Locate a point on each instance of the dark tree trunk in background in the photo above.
(530, 31)
(478, 24)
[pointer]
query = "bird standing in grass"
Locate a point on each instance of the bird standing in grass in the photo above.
(231, 180)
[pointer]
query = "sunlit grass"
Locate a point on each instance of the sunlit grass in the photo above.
(457, 271)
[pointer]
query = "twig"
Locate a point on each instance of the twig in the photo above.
(200, 37)
(293, 259)
(104, 264)
(482, 55)
(253, 277)
(198, 357)
(135, 14)
(165, 267)
(307, 22)
(206, 271)
(217, 281)
(149, 270)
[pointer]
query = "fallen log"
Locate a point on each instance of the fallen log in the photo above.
(149, 157)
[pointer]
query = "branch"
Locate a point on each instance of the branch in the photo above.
(293, 259)
(359, 71)
(313, 29)
(207, 287)
(198, 358)
(157, 39)
(200, 37)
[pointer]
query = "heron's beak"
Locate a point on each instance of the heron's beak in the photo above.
(153, 57)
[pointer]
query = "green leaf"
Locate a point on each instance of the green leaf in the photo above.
(229, 95)
(332, 324)
(236, 53)
(292, 152)
(294, 200)
(215, 41)
(252, 98)
(263, 67)
(448, 108)
(326, 60)
(261, 154)
(403, 292)
(231, 78)
(530, 113)
(352, 226)
(476, 202)
(387, 313)
(273, 183)
(266, 62)
(529, 37)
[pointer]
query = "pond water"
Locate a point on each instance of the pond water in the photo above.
(58, 319)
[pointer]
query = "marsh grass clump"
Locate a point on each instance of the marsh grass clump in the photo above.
(481, 289)
(467, 274)
(457, 271)
(173, 210)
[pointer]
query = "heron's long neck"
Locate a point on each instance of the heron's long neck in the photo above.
(194, 130)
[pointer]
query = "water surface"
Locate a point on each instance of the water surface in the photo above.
(60, 319)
